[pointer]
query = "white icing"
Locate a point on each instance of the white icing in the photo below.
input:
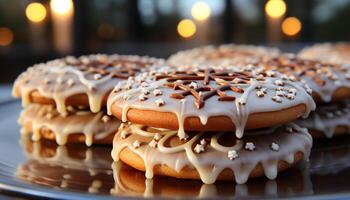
(60, 79)
(93, 125)
(211, 161)
(327, 118)
(238, 111)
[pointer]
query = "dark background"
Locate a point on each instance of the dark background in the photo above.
(149, 27)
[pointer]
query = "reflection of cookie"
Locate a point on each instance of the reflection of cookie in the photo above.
(328, 120)
(211, 157)
(78, 125)
(210, 100)
(222, 55)
(86, 80)
(66, 168)
(328, 52)
(130, 182)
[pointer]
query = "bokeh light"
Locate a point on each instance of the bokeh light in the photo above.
(200, 11)
(61, 7)
(36, 12)
(186, 28)
(275, 8)
(291, 26)
(6, 36)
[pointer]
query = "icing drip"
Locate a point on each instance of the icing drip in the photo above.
(220, 92)
(92, 125)
(327, 118)
(214, 159)
(93, 75)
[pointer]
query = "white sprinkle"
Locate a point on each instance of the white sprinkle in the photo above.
(289, 129)
(232, 154)
(203, 142)
(157, 92)
(241, 101)
(143, 97)
(280, 93)
(97, 76)
(144, 84)
(157, 136)
(124, 134)
(292, 90)
(70, 82)
(258, 87)
(308, 89)
(264, 90)
(274, 147)
(145, 91)
(290, 96)
(199, 148)
(160, 102)
(271, 73)
(260, 93)
(280, 89)
(105, 118)
(279, 82)
(193, 85)
(153, 143)
(329, 115)
(249, 146)
(136, 144)
(277, 99)
(338, 112)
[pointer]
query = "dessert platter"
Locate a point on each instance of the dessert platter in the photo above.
(229, 121)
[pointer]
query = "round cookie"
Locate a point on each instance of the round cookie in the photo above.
(211, 157)
(221, 99)
(329, 82)
(77, 126)
(86, 80)
(338, 53)
(223, 55)
(328, 121)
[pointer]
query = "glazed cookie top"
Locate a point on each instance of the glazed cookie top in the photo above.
(328, 52)
(323, 78)
(94, 126)
(210, 154)
(92, 75)
(204, 93)
(223, 55)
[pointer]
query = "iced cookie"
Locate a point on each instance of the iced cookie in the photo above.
(338, 53)
(223, 55)
(210, 99)
(211, 157)
(86, 80)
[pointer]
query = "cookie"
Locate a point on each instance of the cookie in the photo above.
(338, 53)
(223, 55)
(328, 120)
(206, 99)
(76, 126)
(329, 82)
(70, 167)
(131, 182)
(86, 80)
(211, 157)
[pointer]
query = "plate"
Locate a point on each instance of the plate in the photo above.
(43, 169)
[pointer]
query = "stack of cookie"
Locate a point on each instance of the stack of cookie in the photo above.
(211, 123)
(329, 82)
(65, 99)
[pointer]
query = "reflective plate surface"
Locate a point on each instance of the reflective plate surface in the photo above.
(43, 169)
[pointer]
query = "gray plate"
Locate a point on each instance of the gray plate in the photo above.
(76, 172)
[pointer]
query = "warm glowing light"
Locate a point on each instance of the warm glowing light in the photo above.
(6, 36)
(61, 7)
(200, 11)
(186, 28)
(275, 8)
(36, 12)
(291, 26)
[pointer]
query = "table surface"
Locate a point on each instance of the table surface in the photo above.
(42, 169)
